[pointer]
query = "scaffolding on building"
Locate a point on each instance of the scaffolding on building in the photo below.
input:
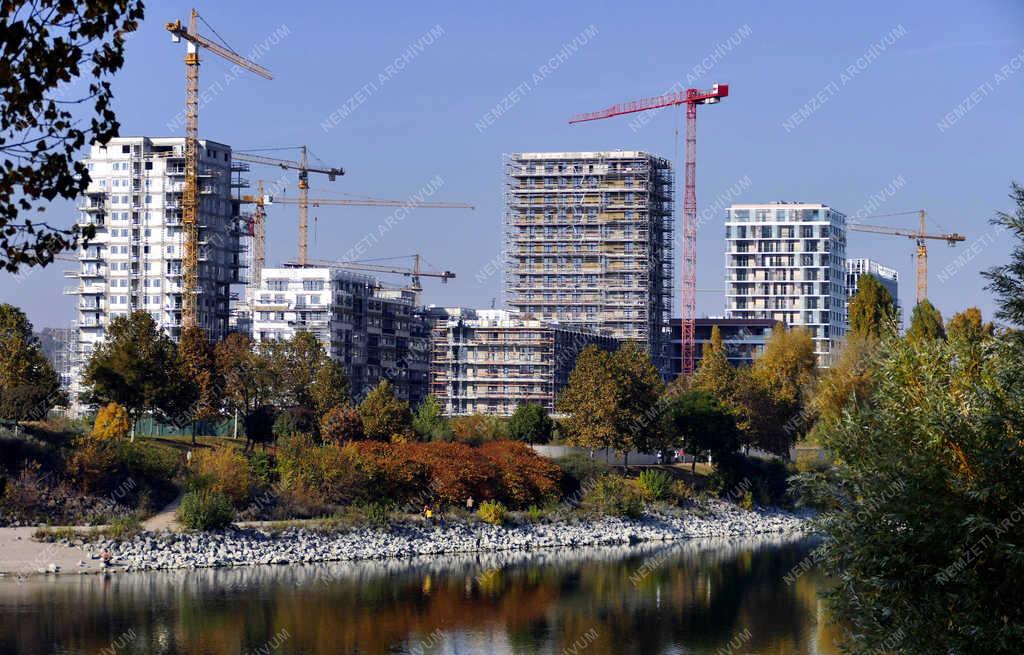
(588, 242)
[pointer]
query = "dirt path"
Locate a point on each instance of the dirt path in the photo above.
(164, 519)
(20, 555)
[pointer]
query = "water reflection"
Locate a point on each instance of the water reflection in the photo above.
(703, 596)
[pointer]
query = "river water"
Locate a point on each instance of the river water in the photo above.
(700, 597)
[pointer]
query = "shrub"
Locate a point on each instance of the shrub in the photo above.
(295, 420)
(582, 468)
(228, 471)
(523, 477)
(615, 496)
(457, 471)
(492, 511)
(747, 502)
(478, 428)
(315, 477)
(341, 424)
(378, 513)
(92, 464)
(388, 472)
(261, 470)
(683, 491)
(24, 494)
(205, 509)
(535, 514)
(111, 424)
(123, 527)
(655, 484)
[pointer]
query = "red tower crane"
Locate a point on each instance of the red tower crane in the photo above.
(691, 98)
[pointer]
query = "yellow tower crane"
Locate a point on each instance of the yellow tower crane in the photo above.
(261, 200)
(920, 237)
(415, 272)
(190, 194)
(304, 169)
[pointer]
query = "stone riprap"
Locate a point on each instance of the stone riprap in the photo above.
(240, 547)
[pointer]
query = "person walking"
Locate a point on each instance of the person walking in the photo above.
(469, 504)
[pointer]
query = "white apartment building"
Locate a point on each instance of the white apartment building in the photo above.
(135, 260)
(374, 332)
(588, 243)
(786, 261)
(888, 277)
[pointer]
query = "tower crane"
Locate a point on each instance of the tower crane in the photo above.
(415, 273)
(920, 236)
(304, 169)
(692, 98)
(190, 194)
(261, 200)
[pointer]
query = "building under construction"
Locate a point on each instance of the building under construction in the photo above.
(375, 332)
(490, 361)
(588, 243)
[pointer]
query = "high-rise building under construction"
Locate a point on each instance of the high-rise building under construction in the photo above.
(588, 242)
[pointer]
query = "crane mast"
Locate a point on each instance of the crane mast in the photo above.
(691, 98)
(920, 237)
(190, 192)
(304, 169)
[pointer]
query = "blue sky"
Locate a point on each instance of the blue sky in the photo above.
(885, 91)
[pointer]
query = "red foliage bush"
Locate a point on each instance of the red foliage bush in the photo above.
(320, 476)
(341, 424)
(524, 477)
(388, 475)
(457, 471)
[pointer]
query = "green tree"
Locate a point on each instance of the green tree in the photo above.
(530, 423)
(476, 429)
(639, 425)
(924, 534)
(46, 46)
(199, 367)
(872, 309)
(714, 373)
(968, 325)
(430, 422)
(925, 323)
(848, 379)
(385, 416)
(330, 387)
(1007, 281)
(698, 422)
(137, 367)
(294, 364)
(772, 401)
(591, 401)
(29, 385)
(248, 379)
(612, 401)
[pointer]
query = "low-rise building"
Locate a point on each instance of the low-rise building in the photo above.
(377, 333)
(744, 339)
(489, 361)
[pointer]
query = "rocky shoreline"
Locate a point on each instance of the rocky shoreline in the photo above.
(250, 546)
